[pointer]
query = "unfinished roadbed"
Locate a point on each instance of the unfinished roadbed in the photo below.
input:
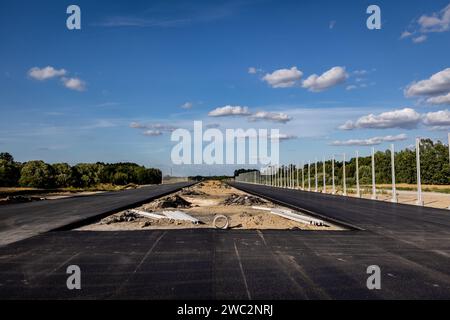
(198, 206)
(21, 221)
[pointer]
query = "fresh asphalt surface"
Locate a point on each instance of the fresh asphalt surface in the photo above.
(21, 221)
(410, 244)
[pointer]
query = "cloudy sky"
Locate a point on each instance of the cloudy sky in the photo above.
(117, 88)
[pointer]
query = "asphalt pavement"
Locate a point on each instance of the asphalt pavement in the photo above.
(21, 221)
(410, 245)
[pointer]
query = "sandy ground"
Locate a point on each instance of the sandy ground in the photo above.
(205, 206)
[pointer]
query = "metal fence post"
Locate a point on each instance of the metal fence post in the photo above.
(419, 182)
(315, 177)
(324, 177)
(344, 178)
(309, 175)
(374, 188)
(333, 188)
(394, 191)
(358, 191)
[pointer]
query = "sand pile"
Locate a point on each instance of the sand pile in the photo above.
(192, 192)
(174, 201)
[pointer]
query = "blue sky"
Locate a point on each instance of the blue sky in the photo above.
(134, 65)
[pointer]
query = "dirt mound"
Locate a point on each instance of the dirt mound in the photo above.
(171, 202)
(242, 200)
(126, 216)
(192, 192)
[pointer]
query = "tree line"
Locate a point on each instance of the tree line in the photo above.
(434, 166)
(38, 174)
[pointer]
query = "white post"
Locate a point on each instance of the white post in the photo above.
(285, 176)
(419, 182)
(289, 176)
(315, 177)
(288, 173)
(333, 188)
(303, 175)
(292, 177)
(343, 177)
(298, 180)
(271, 175)
(324, 177)
(309, 175)
(374, 188)
(277, 176)
(394, 191)
(274, 179)
(358, 191)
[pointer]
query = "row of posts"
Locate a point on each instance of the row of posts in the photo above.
(288, 177)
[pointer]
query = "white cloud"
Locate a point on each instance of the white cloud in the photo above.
(420, 39)
(283, 137)
(74, 84)
(229, 111)
(406, 118)
(137, 125)
(161, 127)
(351, 87)
(444, 99)
(283, 78)
(270, 116)
(152, 133)
(360, 72)
(253, 70)
(45, 73)
(438, 83)
(437, 22)
(438, 118)
(370, 141)
(257, 134)
(187, 105)
(406, 34)
(328, 79)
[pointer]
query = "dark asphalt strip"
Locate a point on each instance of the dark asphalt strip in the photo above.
(21, 221)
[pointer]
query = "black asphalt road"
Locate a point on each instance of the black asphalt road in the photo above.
(214, 264)
(20, 221)
(411, 246)
(424, 227)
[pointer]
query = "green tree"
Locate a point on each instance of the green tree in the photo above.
(7, 157)
(9, 173)
(63, 175)
(37, 174)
